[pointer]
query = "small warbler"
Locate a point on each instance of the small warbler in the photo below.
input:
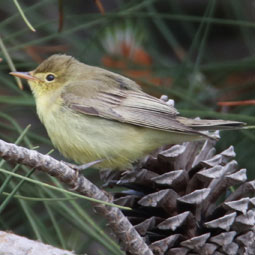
(91, 113)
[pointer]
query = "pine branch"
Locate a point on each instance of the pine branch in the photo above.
(12, 244)
(120, 225)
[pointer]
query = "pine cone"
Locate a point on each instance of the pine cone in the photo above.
(187, 199)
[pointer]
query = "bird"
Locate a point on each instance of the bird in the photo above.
(94, 114)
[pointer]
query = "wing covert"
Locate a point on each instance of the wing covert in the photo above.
(124, 105)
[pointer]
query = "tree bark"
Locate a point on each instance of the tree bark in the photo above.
(129, 238)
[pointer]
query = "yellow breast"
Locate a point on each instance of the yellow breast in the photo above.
(85, 138)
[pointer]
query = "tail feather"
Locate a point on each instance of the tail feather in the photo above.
(202, 124)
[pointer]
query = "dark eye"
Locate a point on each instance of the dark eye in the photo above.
(50, 77)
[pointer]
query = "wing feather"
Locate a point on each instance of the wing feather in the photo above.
(112, 97)
(124, 105)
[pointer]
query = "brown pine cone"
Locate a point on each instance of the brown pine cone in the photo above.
(187, 199)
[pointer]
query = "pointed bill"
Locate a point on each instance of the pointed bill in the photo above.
(24, 75)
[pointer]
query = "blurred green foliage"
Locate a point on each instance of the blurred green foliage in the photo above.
(203, 51)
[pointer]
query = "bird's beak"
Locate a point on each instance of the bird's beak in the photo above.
(24, 75)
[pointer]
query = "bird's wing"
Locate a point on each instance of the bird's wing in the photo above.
(204, 124)
(124, 105)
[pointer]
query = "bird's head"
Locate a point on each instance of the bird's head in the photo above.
(53, 73)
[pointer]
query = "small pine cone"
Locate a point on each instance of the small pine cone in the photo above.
(187, 199)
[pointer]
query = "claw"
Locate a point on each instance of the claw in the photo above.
(77, 170)
(88, 165)
(83, 166)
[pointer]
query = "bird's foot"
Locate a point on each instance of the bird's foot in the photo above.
(82, 167)
(79, 168)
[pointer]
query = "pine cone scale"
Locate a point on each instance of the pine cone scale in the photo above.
(182, 202)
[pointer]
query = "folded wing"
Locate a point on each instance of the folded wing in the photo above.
(110, 98)
(124, 105)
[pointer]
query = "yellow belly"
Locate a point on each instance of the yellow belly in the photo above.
(86, 139)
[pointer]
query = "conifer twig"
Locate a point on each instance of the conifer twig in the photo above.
(12, 244)
(9, 62)
(24, 16)
(130, 239)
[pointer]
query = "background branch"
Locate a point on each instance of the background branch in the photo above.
(128, 236)
(12, 244)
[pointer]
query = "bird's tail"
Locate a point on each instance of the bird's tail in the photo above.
(202, 124)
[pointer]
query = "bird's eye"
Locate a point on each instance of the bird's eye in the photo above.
(50, 77)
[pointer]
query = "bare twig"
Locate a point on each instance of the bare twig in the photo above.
(12, 244)
(60, 15)
(123, 229)
(236, 103)
(100, 6)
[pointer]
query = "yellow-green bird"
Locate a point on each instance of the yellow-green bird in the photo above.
(91, 114)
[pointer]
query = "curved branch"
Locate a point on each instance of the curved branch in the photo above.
(12, 244)
(120, 225)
